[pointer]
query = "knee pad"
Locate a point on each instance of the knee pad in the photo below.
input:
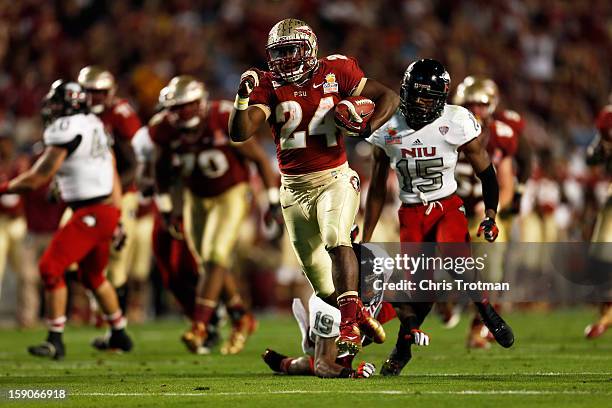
(51, 273)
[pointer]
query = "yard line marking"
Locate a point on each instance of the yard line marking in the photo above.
(381, 392)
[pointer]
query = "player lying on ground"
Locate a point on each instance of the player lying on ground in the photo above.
(319, 327)
(77, 152)
(320, 193)
(422, 143)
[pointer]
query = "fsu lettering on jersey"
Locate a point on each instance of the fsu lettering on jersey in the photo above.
(209, 164)
(302, 116)
(425, 159)
(501, 141)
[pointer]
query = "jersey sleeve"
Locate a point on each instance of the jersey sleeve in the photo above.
(60, 132)
(464, 127)
(126, 121)
(350, 77)
(324, 319)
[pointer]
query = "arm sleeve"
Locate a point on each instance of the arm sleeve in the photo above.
(465, 127)
(126, 121)
(60, 132)
(349, 75)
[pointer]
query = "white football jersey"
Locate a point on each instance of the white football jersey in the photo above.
(425, 159)
(144, 148)
(87, 172)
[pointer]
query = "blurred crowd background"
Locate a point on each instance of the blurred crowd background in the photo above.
(551, 60)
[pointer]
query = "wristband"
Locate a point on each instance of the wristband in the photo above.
(241, 104)
(164, 203)
(273, 195)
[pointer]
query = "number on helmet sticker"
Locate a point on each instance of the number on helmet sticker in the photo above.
(324, 323)
(426, 176)
(322, 123)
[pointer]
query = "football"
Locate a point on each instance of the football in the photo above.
(350, 109)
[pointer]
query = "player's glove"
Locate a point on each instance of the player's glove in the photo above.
(119, 237)
(274, 217)
(354, 126)
(364, 370)
(248, 81)
(354, 232)
(419, 338)
(489, 229)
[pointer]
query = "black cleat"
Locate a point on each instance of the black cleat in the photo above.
(394, 364)
(212, 340)
(54, 350)
(497, 326)
(115, 340)
(273, 360)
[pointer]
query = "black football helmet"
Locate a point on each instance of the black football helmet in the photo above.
(423, 92)
(64, 98)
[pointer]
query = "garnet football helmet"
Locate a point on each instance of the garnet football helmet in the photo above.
(185, 99)
(423, 92)
(292, 50)
(477, 90)
(63, 99)
(100, 87)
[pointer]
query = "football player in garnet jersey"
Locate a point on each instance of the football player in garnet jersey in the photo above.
(422, 143)
(191, 135)
(319, 193)
(77, 151)
(480, 96)
(600, 153)
(122, 123)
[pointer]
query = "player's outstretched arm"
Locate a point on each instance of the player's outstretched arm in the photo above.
(377, 192)
(45, 167)
(479, 159)
(385, 99)
(245, 120)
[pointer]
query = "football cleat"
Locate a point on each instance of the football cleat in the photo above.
(53, 350)
(241, 330)
(476, 339)
(497, 326)
(194, 339)
(370, 326)
(593, 331)
(273, 360)
(349, 340)
(115, 340)
(395, 363)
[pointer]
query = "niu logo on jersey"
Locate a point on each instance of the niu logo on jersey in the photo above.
(419, 152)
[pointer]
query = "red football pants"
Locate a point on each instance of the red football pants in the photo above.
(84, 240)
(446, 222)
(177, 267)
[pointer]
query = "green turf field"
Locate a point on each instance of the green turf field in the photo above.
(550, 365)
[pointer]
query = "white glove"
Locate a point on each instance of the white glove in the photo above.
(419, 338)
(364, 370)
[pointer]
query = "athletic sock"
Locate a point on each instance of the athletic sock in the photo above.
(204, 310)
(116, 320)
(348, 303)
(56, 325)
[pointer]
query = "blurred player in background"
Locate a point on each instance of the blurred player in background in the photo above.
(480, 96)
(191, 136)
(422, 143)
(77, 150)
(600, 153)
(319, 193)
(121, 122)
(12, 234)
